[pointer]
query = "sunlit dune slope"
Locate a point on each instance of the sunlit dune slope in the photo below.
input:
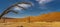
(49, 17)
(52, 16)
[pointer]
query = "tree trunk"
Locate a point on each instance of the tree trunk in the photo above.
(2, 19)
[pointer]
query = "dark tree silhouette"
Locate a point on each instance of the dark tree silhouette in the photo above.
(9, 9)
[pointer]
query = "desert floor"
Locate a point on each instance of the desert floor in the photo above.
(32, 24)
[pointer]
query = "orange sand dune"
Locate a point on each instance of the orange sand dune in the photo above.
(52, 16)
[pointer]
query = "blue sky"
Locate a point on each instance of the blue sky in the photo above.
(39, 7)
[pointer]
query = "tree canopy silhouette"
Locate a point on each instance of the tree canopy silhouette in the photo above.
(9, 9)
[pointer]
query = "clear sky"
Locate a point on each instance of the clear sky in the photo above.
(39, 7)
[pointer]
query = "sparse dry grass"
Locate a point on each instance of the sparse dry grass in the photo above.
(33, 24)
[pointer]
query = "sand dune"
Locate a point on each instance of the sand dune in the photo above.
(53, 16)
